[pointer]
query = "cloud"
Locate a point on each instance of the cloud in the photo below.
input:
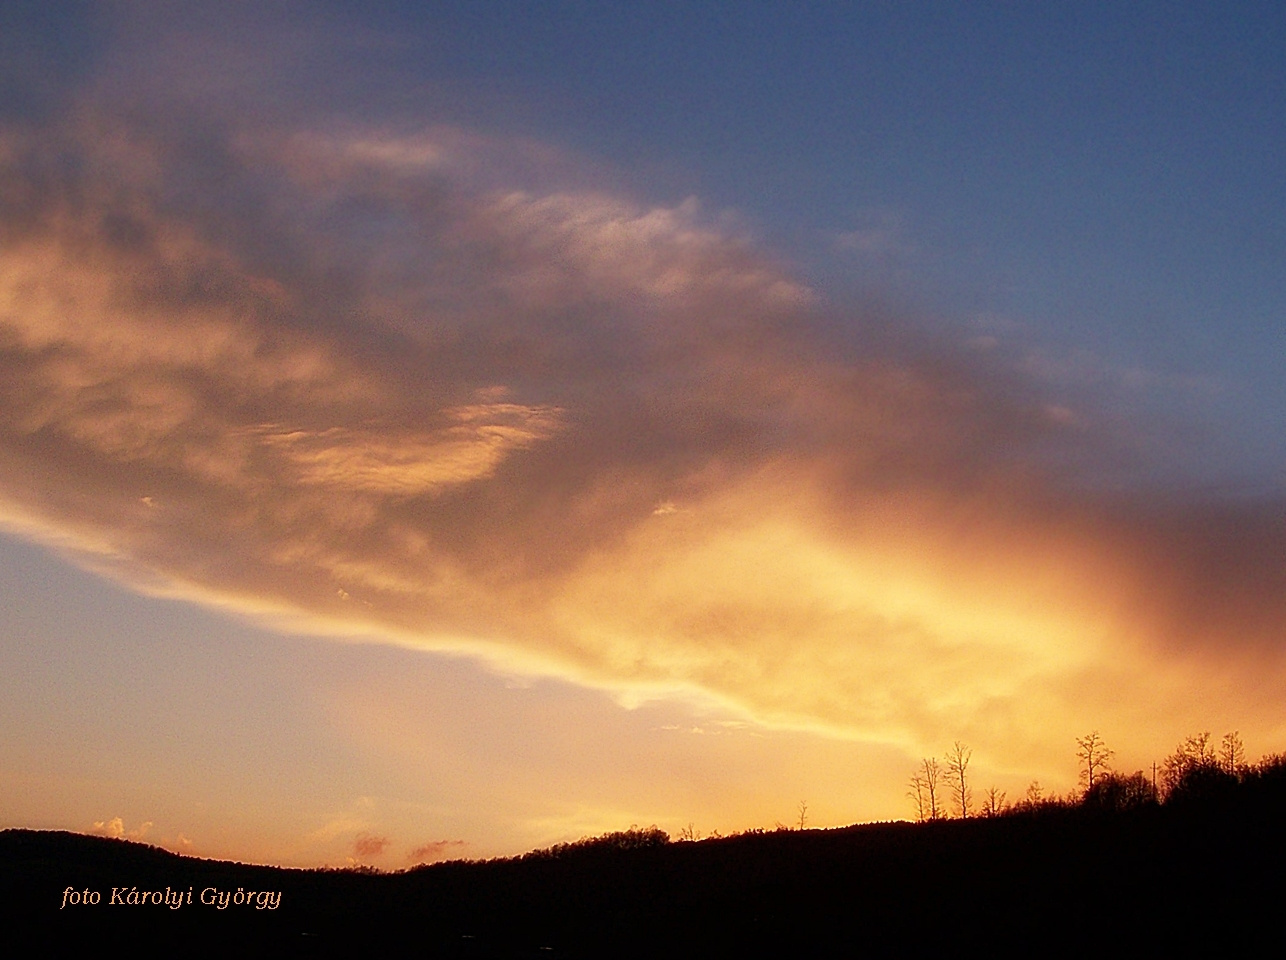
(378, 384)
(337, 827)
(433, 851)
(367, 847)
(115, 827)
(112, 828)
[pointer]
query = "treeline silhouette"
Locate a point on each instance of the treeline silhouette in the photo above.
(1197, 770)
(1127, 864)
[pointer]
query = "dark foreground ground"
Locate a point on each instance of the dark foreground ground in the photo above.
(1064, 882)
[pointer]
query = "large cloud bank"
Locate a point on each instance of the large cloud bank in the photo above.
(381, 384)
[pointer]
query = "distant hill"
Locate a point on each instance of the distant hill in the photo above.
(1055, 882)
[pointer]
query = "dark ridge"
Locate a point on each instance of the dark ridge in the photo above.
(1064, 879)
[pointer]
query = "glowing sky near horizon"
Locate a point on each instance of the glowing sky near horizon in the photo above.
(442, 433)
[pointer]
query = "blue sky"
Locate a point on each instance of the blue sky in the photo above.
(1103, 173)
(1102, 177)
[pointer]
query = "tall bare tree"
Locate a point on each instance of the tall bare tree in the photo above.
(1232, 754)
(957, 771)
(932, 782)
(917, 795)
(1094, 756)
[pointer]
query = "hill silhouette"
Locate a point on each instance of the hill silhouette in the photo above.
(1059, 879)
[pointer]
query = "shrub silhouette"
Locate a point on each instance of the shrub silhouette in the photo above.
(631, 839)
(1200, 782)
(1117, 793)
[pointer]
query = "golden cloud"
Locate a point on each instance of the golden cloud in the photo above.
(568, 432)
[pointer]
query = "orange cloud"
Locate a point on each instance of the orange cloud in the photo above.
(349, 382)
(366, 847)
(434, 850)
(116, 828)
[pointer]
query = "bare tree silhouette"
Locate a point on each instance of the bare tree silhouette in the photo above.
(932, 774)
(957, 769)
(1034, 796)
(1232, 754)
(918, 793)
(1094, 754)
(993, 802)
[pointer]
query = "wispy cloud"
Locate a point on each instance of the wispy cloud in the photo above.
(435, 850)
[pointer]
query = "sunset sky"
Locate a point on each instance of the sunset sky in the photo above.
(442, 430)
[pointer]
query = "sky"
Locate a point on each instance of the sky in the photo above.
(444, 430)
